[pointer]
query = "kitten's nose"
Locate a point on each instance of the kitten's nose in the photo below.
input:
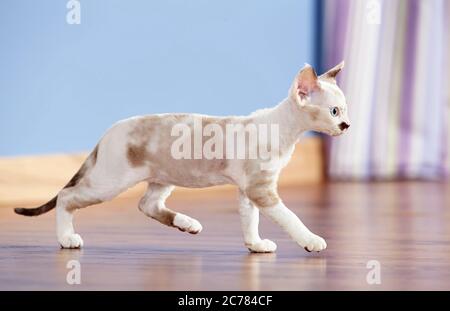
(344, 126)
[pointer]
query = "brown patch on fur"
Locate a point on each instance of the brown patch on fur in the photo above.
(222, 165)
(137, 154)
(89, 163)
(140, 135)
(144, 129)
(165, 217)
(94, 156)
(78, 205)
(78, 175)
(263, 197)
(262, 192)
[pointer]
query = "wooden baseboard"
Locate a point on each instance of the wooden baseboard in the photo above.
(30, 180)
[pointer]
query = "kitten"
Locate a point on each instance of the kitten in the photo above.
(142, 149)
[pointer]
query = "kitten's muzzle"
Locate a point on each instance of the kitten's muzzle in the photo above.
(343, 126)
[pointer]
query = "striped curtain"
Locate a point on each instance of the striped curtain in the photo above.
(396, 80)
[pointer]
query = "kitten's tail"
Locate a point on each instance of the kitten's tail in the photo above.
(90, 161)
(38, 210)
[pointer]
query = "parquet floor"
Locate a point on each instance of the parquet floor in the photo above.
(403, 226)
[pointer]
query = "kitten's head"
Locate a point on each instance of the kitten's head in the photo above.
(321, 101)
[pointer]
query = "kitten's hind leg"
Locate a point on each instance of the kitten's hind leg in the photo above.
(250, 221)
(153, 205)
(68, 201)
(76, 197)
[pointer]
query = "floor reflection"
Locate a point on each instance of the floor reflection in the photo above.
(252, 264)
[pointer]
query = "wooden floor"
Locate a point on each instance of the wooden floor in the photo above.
(404, 226)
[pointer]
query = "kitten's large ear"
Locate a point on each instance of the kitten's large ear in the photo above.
(331, 74)
(304, 84)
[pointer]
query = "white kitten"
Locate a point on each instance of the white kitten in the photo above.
(142, 149)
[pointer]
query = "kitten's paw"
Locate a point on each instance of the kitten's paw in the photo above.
(71, 241)
(314, 243)
(186, 223)
(263, 246)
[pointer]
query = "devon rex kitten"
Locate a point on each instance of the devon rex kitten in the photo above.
(141, 149)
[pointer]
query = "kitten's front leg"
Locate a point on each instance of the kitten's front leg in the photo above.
(266, 198)
(249, 221)
(294, 227)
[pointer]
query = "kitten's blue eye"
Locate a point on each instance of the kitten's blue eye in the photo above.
(334, 111)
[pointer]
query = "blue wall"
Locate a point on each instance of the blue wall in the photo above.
(62, 86)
